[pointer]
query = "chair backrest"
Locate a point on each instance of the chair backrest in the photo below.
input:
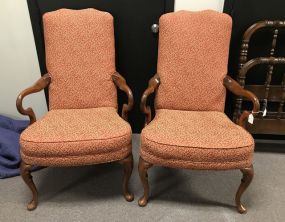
(80, 58)
(192, 60)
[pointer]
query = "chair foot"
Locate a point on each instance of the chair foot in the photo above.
(143, 167)
(26, 175)
(128, 168)
(245, 182)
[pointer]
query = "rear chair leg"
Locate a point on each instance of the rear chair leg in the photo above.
(128, 168)
(143, 167)
(245, 181)
(26, 175)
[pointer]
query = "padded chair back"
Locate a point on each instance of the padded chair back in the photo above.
(192, 60)
(80, 58)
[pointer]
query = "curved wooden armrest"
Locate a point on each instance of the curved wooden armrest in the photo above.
(43, 82)
(152, 87)
(236, 89)
(120, 82)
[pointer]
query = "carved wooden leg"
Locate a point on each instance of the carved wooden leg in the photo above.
(245, 181)
(26, 175)
(128, 168)
(143, 167)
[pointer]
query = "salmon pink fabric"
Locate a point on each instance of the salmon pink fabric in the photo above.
(68, 137)
(80, 58)
(190, 129)
(196, 140)
(82, 126)
(192, 60)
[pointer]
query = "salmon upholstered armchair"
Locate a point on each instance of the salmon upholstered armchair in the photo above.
(82, 126)
(190, 129)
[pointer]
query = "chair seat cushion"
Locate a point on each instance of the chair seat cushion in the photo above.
(76, 137)
(196, 140)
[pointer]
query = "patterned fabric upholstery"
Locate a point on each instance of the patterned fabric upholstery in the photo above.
(75, 137)
(80, 57)
(196, 140)
(192, 60)
(82, 126)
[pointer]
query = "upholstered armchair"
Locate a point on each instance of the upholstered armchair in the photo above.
(190, 129)
(82, 126)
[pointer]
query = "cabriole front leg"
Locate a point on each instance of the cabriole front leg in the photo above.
(27, 177)
(143, 167)
(245, 182)
(128, 168)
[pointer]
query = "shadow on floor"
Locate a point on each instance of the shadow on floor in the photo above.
(81, 183)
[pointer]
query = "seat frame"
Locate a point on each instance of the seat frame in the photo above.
(25, 168)
(247, 172)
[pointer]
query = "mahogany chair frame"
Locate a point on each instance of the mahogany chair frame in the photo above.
(247, 173)
(25, 169)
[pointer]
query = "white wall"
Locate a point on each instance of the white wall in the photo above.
(197, 5)
(18, 59)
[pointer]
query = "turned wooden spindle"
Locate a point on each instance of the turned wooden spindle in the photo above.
(281, 105)
(269, 70)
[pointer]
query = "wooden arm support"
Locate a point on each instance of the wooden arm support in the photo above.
(152, 87)
(236, 89)
(43, 82)
(120, 82)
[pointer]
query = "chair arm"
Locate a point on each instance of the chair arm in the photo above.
(236, 89)
(43, 82)
(120, 82)
(153, 84)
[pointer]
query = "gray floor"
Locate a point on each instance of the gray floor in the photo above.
(93, 193)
